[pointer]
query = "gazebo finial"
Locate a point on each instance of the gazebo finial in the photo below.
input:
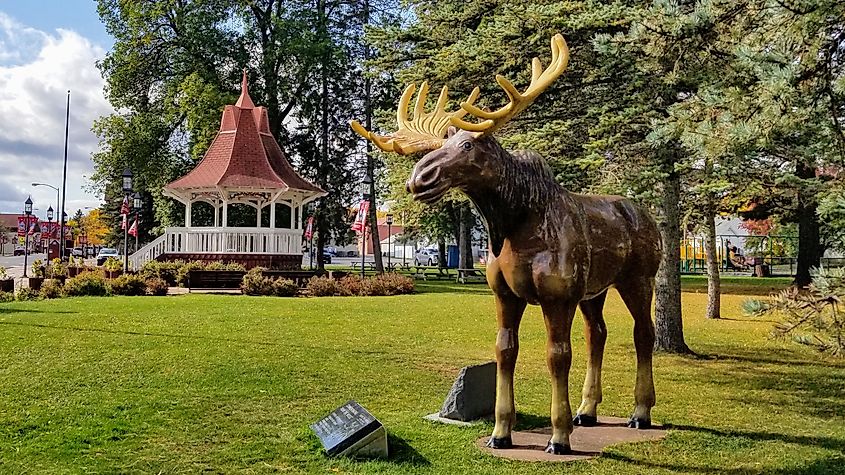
(245, 102)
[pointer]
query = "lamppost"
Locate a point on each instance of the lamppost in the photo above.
(389, 220)
(27, 211)
(137, 203)
(365, 196)
(61, 254)
(49, 227)
(127, 188)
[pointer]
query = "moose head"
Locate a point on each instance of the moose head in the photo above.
(460, 153)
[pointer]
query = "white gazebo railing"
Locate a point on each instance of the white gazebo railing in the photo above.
(220, 241)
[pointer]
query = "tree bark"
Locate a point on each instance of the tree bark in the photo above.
(466, 221)
(669, 328)
(809, 239)
(368, 112)
(714, 290)
(441, 253)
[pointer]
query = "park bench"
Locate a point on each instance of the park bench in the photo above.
(215, 279)
(470, 275)
(435, 272)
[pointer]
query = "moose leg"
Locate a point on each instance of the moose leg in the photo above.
(509, 311)
(595, 332)
(637, 295)
(558, 317)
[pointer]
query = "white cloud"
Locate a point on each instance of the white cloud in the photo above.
(37, 69)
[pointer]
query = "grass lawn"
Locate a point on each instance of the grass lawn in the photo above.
(222, 383)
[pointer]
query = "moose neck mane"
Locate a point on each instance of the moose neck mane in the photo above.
(524, 188)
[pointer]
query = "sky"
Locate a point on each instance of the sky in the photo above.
(48, 47)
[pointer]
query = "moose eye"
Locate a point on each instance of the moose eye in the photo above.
(466, 146)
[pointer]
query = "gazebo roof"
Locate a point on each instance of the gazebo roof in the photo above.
(244, 154)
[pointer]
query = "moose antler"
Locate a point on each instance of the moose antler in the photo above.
(540, 80)
(425, 131)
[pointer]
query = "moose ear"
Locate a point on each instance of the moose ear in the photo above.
(452, 130)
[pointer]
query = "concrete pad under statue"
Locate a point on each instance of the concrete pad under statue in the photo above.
(586, 442)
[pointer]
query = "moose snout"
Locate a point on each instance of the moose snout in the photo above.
(422, 178)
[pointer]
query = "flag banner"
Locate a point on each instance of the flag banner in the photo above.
(124, 208)
(133, 230)
(309, 228)
(361, 218)
(123, 222)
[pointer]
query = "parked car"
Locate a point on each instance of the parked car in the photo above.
(76, 252)
(426, 257)
(105, 253)
(19, 251)
(327, 256)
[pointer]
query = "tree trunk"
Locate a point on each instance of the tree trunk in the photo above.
(714, 291)
(809, 239)
(466, 220)
(368, 112)
(669, 327)
(441, 253)
(322, 173)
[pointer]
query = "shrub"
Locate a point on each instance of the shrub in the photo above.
(396, 284)
(128, 284)
(25, 293)
(112, 264)
(52, 289)
(813, 316)
(37, 268)
(215, 265)
(3, 274)
(86, 284)
(182, 275)
(156, 286)
(285, 288)
(254, 283)
(323, 287)
(57, 268)
(351, 285)
(6, 297)
(235, 266)
(168, 271)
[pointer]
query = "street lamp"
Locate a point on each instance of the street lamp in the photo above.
(365, 197)
(61, 248)
(127, 188)
(27, 210)
(389, 220)
(137, 203)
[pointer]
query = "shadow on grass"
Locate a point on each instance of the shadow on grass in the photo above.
(451, 288)
(27, 310)
(401, 453)
(785, 380)
(827, 465)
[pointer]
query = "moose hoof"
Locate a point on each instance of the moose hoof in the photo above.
(500, 443)
(585, 420)
(558, 449)
(639, 423)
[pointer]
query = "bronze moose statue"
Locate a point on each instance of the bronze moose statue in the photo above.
(548, 246)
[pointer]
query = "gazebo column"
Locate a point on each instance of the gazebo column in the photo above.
(188, 214)
(292, 213)
(273, 213)
(225, 213)
(257, 214)
(216, 214)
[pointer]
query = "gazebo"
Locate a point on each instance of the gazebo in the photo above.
(244, 165)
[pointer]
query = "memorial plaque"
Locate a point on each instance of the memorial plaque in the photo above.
(351, 430)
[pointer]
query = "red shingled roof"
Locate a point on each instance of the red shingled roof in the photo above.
(244, 154)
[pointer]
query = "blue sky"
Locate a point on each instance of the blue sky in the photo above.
(46, 48)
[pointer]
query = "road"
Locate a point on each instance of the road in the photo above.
(14, 264)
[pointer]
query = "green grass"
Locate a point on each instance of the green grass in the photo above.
(222, 383)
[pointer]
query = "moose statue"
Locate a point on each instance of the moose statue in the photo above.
(548, 246)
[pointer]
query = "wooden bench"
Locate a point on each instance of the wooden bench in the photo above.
(215, 279)
(470, 275)
(424, 272)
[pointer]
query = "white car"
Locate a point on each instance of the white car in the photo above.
(426, 257)
(105, 253)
